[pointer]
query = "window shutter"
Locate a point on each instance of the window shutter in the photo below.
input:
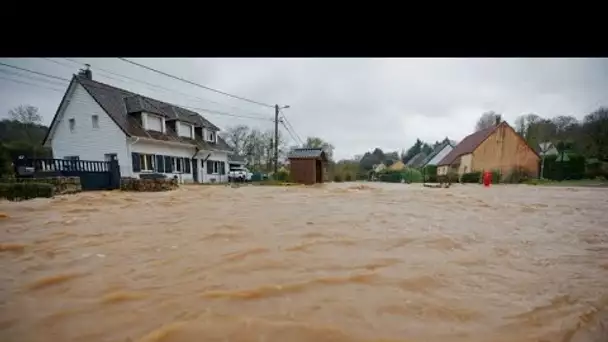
(135, 161)
(160, 165)
(209, 167)
(222, 168)
(187, 165)
(168, 165)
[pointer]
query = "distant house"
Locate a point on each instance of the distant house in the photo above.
(416, 160)
(379, 168)
(547, 149)
(397, 166)
(495, 148)
(235, 161)
(439, 152)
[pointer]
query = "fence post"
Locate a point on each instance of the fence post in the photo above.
(114, 173)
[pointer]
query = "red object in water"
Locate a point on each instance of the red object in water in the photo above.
(487, 178)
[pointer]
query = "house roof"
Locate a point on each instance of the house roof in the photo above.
(307, 153)
(118, 103)
(468, 145)
(472, 141)
(446, 142)
(416, 160)
(235, 158)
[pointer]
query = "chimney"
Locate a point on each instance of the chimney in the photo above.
(86, 73)
(498, 119)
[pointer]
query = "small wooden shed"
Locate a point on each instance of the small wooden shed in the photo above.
(308, 165)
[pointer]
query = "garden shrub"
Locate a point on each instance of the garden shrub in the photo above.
(337, 178)
(18, 191)
(516, 175)
(471, 177)
(348, 178)
(148, 185)
(61, 185)
(281, 175)
(430, 173)
(407, 176)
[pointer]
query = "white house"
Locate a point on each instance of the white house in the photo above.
(439, 152)
(96, 121)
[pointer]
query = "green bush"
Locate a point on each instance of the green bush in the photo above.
(471, 177)
(407, 176)
(430, 173)
(348, 178)
(281, 175)
(22, 191)
(337, 178)
(572, 168)
(61, 185)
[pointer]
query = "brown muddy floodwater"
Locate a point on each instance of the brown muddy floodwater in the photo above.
(339, 262)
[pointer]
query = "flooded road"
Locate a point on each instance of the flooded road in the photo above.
(340, 262)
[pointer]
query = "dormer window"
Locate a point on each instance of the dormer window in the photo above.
(154, 123)
(211, 136)
(184, 130)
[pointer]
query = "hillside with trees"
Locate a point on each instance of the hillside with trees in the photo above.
(21, 134)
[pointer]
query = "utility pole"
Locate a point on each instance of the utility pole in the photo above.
(276, 139)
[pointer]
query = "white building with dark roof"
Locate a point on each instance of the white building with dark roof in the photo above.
(96, 121)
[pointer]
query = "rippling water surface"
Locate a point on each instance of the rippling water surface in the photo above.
(339, 262)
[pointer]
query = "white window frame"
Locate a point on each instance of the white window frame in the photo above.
(143, 162)
(216, 167)
(72, 124)
(95, 121)
(211, 136)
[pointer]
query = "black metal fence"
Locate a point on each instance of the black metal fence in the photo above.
(94, 175)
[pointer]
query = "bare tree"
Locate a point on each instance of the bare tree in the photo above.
(487, 120)
(316, 142)
(236, 136)
(26, 114)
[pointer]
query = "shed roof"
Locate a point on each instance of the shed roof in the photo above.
(307, 153)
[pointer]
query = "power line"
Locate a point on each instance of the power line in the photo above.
(228, 114)
(34, 72)
(288, 131)
(196, 84)
(30, 84)
(161, 87)
(31, 77)
(292, 129)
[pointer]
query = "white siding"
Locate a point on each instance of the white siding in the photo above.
(436, 159)
(165, 149)
(84, 141)
(155, 123)
(215, 156)
(184, 129)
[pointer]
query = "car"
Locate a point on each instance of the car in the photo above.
(239, 174)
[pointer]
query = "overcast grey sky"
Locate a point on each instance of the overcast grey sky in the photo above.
(356, 104)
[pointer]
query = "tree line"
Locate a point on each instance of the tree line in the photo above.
(21, 134)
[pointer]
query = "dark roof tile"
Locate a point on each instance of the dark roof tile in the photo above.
(467, 145)
(118, 103)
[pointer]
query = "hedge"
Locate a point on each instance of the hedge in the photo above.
(61, 185)
(430, 173)
(18, 191)
(407, 176)
(148, 185)
(471, 177)
(573, 168)
(281, 175)
(337, 178)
